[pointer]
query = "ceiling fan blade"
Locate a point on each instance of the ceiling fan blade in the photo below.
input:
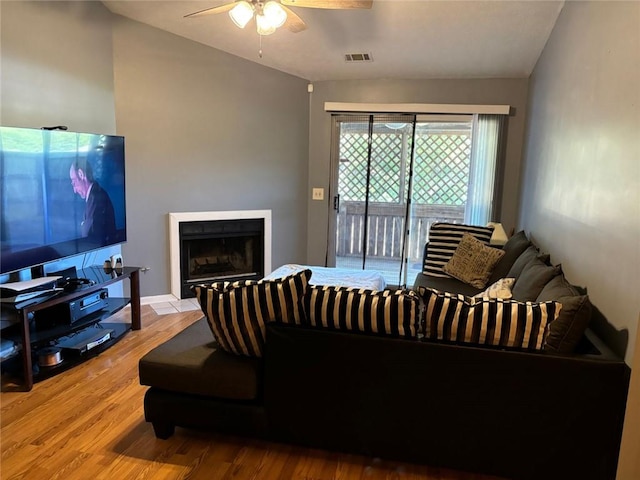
(293, 23)
(213, 10)
(333, 4)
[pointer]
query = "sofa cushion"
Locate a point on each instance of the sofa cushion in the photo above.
(192, 362)
(443, 241)
(473, 261)
(484, 321)
(237, 312)
(535, 275)
(567, 330)
(388, 312)
(530, 254)
(514, 247)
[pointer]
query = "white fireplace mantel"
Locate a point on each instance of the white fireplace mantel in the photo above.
(174, 237)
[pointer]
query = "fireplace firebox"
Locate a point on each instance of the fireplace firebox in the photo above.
(220, 250)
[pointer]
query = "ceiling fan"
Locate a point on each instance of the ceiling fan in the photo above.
(270, 15)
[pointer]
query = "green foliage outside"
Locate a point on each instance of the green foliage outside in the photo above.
(441, 169)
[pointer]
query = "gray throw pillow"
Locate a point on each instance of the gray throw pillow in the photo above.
(531, 253)
(535, 275)
(566, 331)
(514, 247)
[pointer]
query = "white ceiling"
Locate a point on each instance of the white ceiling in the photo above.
(407, 39)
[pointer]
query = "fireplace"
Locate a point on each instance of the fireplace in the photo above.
(209, 247)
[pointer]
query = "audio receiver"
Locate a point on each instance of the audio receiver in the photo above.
(70, 312)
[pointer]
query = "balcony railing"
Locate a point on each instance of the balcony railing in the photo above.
(386, 226)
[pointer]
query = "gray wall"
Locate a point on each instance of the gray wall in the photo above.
(206, 131)
(581, 182)
(629, 462)
(487, 91)
(56, 68)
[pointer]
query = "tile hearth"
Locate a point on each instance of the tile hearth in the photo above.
(185, 305)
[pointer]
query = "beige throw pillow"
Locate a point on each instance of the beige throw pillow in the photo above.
(473, 261)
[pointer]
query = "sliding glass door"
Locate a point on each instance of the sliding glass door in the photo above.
(394, 175)
(371, 190)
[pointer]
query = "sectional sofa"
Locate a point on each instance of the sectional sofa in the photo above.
(321, 373)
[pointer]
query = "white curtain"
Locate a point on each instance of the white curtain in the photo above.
(480, 205)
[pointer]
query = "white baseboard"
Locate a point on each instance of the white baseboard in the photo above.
(158, 299)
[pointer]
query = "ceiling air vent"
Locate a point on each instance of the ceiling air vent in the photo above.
(358, 57)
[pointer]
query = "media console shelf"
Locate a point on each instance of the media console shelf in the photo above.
(28, 336)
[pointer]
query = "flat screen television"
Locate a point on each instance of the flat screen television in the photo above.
(62, 194)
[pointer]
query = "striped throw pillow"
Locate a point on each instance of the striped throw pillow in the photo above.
(389, 312)
(238, 312)
(486, 321)
(443, 241)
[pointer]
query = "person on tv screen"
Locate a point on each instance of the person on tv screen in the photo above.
(99, 222)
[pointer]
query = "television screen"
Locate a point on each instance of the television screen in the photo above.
(62, 193)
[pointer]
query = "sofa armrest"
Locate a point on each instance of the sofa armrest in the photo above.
(592, 346)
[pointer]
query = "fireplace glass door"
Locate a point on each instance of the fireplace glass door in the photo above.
(221, 250)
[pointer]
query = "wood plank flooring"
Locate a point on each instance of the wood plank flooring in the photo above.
(88, 423)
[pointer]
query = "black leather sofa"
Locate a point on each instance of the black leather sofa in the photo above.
(514, 414)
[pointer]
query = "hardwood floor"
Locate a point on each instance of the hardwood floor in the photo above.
(88, 422)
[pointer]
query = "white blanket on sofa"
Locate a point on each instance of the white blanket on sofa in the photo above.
(339, 277)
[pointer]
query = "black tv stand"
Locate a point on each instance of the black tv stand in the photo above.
(29, 336)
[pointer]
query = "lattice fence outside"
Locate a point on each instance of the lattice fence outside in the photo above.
(440, 182)
(441, 168)
(352, 175)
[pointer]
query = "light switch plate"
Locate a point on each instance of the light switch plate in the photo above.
(317, 194)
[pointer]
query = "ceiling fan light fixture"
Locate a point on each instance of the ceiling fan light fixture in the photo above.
(265, 27)
(241, 13)
(274, 13)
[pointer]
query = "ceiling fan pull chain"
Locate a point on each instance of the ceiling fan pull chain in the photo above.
(260, 50)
